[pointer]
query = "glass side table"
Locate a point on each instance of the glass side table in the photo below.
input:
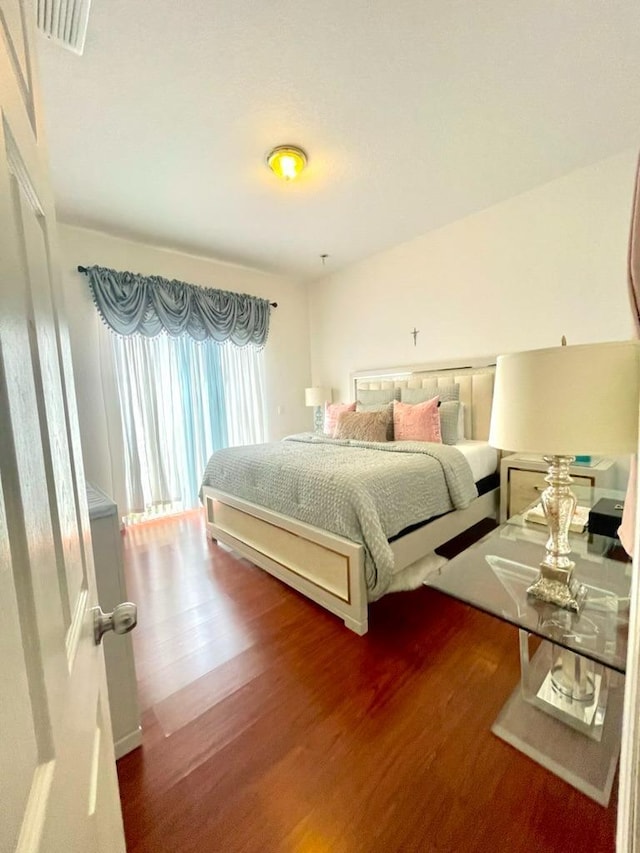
(566, 712)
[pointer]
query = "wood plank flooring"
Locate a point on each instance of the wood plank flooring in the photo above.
(270, 727)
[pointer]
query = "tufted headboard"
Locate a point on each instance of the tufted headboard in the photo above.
(475, 381)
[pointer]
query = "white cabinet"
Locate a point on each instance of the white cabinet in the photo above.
(118, 650)
(522, 480)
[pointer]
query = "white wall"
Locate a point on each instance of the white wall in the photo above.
(518, 275)
(286, 352)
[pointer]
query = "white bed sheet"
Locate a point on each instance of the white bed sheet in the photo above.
(482, 458)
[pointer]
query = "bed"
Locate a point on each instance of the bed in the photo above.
(338, 568)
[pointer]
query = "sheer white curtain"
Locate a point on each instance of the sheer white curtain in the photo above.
(179, 401)
(243, 381)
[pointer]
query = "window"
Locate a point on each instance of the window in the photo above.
(180, 400)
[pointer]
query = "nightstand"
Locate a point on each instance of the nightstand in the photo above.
(522, 480)
(566, 712)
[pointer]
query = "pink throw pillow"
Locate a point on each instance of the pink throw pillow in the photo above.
(331, 414)
(417, 423)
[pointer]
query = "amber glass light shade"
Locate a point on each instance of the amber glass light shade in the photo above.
(287, 161)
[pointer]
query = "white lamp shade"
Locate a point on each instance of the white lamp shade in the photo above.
(316, 396)
(568, 401)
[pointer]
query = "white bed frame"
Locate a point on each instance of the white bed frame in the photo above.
(327, 568)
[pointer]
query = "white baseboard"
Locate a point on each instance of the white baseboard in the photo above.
(128, 743)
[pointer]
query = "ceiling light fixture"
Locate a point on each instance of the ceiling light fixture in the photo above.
(287, 161)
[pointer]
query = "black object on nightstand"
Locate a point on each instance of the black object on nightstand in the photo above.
(605, 517)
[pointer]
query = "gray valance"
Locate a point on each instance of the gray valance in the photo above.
(148, 305)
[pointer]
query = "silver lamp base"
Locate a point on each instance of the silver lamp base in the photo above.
(567, 594)
(555, 584)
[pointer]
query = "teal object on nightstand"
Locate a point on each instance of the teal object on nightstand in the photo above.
(583, 460)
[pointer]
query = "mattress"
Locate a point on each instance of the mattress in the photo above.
(482, 458)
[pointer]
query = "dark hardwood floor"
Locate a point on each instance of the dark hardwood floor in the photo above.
(268, 726)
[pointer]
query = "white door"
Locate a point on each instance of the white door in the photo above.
(58, 786)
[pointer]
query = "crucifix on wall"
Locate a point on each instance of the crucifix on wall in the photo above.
(415, 334)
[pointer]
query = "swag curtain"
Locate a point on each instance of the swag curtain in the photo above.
(148, 305)
(187, 384)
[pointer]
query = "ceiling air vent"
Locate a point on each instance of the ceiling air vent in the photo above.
(64, 22)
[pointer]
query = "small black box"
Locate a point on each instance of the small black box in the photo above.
(605, 517)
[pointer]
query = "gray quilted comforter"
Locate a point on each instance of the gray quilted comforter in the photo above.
(363, 491)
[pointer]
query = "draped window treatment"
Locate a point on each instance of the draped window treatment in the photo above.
(189, 375)
(148, 305)
(179, 401)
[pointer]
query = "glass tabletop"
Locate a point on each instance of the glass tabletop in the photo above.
(493, 576)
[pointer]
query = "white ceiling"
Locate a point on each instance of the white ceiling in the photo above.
(414, 113)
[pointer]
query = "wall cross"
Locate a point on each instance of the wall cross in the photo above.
(415, 334)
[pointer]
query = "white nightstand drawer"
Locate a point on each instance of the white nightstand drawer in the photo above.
(526, 486)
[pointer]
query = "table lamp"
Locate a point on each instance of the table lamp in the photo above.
(559, 403)
(317, 397)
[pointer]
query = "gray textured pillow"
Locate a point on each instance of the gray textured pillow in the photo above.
(449, 392)
(376, 398)
(371, 407)
(419, 395)
(449, 412)
(365, 426)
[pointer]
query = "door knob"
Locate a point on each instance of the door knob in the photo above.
(123, 619)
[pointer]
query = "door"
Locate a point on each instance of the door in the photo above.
(58, 786)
